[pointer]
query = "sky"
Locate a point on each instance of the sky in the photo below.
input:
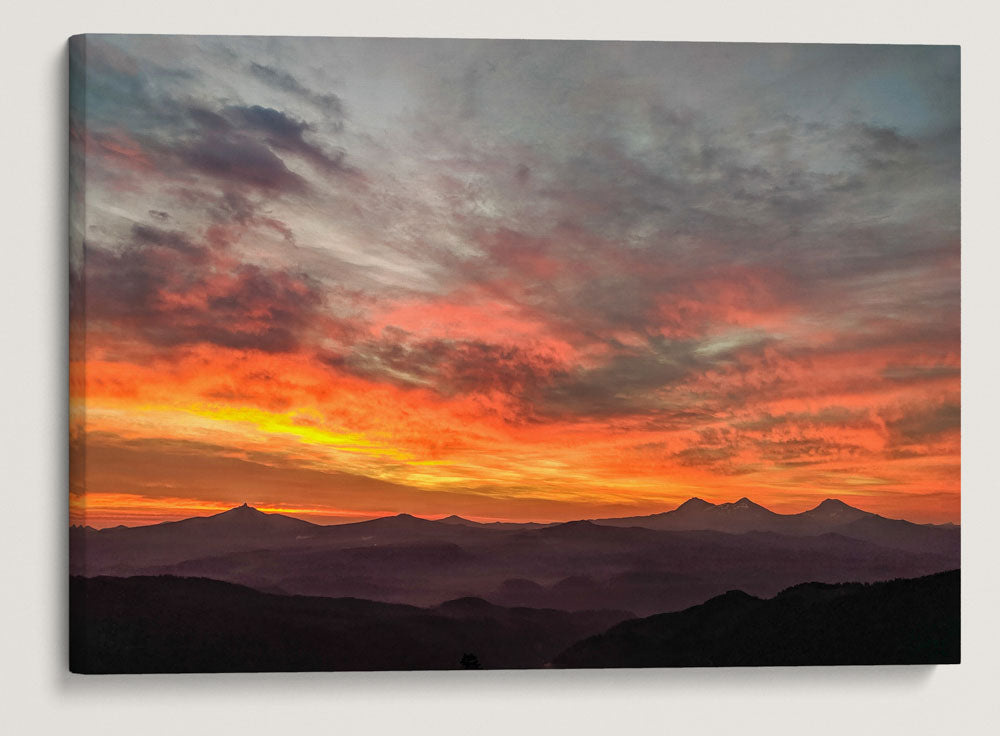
(511, 280)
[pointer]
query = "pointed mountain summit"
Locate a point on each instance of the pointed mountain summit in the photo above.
(744, 505)
(583, 529)
(695, 514)
(693, 504)
(247, 520)
(245, 511)
(835, 511)
(237, 529)
(456, 519)
(396, 521)
(831, 516)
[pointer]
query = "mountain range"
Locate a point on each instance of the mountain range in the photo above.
(832, 515)
(647, 564)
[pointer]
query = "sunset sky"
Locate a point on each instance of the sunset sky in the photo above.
(512, 280)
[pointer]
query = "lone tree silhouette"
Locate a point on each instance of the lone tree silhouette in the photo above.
(470, 661)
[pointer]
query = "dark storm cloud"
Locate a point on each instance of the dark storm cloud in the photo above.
(716, 448)
(925, 423)
(240, 161)
(807, 450)
(832, 416)
(330, 103)
(240, 145)
(152, 237)
(540, 386)
(803, 439)
(702, 456)
(209, 121)
(285, 133)
(449, 367)
(234, 206)
(625, 384)
(881, 146)
(920, 373)
(167, 290)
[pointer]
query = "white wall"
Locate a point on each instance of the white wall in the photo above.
(38, 696)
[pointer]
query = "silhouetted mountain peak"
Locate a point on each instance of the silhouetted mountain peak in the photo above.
(456, 519)
(245, 519)
(468, 604)
(744, 504)
(400, 521)
(573, 528)
(695, 504)
(833, 509)
(245, 511)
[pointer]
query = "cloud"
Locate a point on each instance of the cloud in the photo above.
(148, 237)
(240, 145)
(285, 133)
(448, 366)
(240, 162)
(328, 102)
(170, 291)
(628, 382)
(924, 423)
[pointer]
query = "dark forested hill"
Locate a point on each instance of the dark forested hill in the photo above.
(913, 621)
(168, 624)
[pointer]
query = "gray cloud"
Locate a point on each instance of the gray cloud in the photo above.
(925, 423)
(240, 161)
(285, 133)
(140, 288)
(328, 102)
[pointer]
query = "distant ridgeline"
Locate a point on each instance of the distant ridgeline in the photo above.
(549, 587)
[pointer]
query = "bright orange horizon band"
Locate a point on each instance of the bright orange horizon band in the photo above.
(319, 436)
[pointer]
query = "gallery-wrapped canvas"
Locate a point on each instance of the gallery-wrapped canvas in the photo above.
(403, 354)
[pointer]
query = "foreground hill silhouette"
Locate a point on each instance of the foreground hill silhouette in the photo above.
(573, 566)
(913, 621)
(166, 624)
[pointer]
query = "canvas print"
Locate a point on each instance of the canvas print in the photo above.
(410, 354)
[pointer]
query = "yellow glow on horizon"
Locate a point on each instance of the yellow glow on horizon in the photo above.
(290, 424)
